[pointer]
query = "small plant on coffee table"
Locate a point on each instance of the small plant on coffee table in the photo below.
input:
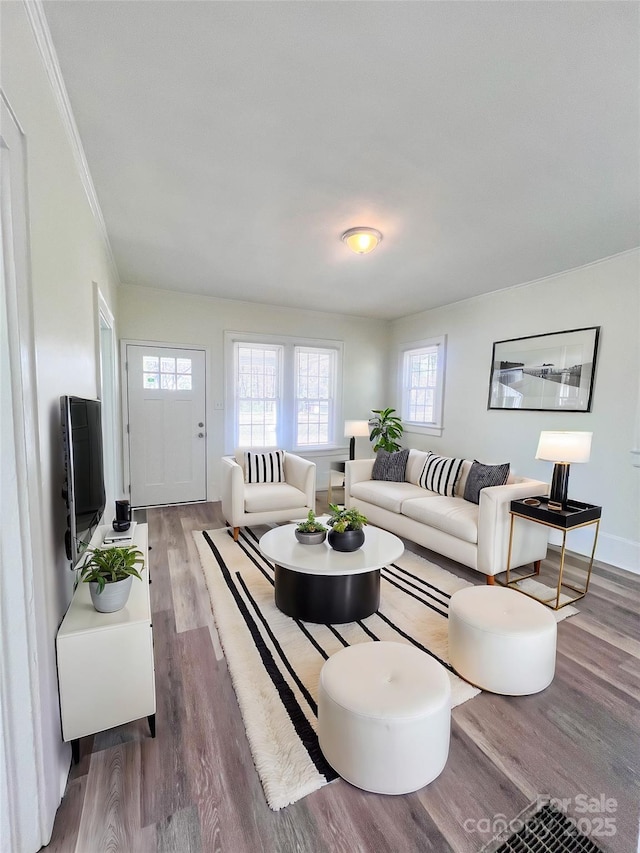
(343, 519)
(311, 524)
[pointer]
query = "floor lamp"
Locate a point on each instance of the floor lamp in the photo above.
(353, 429)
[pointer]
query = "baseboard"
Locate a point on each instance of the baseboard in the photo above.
(623, 553)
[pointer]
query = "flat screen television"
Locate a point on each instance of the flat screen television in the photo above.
(83, 488)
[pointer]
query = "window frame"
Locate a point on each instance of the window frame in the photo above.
(434, 427)
(286, 428)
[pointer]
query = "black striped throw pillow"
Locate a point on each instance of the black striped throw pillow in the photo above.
(480, 476)
(264, 467)
(440, 474)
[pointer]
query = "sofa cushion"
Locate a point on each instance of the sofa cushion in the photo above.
(440, 474)
(451, 515)
(263, 497)
(384, 494)
(390, 466)
(461, 482)
(267, 467)
(415, 465)
(480, 476)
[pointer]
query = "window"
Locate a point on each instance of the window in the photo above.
(281, 392)
(422, 367)
(257, 383)
(315, 389)
(166, 374)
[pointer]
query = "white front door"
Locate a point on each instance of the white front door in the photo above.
(167, 435)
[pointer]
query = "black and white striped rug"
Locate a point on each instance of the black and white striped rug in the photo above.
(275, 661)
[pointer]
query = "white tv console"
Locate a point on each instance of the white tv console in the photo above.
(106, 673)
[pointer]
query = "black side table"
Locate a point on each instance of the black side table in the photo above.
(576, 515)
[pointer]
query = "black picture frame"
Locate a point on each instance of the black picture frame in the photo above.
(551, 372)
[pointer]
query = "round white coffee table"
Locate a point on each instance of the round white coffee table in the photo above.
(314, 583)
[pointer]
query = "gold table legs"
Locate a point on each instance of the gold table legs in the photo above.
(552, 601)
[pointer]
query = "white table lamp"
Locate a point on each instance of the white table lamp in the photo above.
(563, 448)
(353, 429)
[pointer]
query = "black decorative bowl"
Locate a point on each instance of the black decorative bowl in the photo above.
(350, 540)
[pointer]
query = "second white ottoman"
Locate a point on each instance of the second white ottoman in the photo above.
(384, 716)
(502, 641)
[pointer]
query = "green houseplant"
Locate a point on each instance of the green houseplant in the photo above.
(346, 528)
(386, 429)
(109, 573)
(311, 531)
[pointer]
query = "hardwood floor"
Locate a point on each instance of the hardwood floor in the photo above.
(194, 787)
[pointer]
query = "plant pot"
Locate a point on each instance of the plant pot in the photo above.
(316, 538)
(350, 540)
(113, 597)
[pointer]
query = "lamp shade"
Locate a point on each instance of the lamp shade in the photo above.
(564, 446)
(356, 428)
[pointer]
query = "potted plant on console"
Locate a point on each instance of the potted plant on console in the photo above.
(109, 573)
(311, 531)
(346, 533)
(386, 429)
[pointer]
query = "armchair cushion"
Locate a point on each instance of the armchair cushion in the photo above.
(265, 467)
(265, 497)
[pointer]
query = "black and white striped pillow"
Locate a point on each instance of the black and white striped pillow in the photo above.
(264, 467)
(440, 474)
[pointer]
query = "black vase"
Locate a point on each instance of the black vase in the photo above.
(350, 540)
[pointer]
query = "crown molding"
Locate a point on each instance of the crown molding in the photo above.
(40, 27)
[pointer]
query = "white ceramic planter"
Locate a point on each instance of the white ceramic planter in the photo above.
(113, 597)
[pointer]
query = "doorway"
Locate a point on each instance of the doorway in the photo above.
(165, 424)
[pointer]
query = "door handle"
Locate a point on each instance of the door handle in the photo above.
(200, 435)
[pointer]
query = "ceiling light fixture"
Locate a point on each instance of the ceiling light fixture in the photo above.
(361, 240)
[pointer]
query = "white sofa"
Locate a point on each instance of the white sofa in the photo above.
(476, 535)
(244, 504)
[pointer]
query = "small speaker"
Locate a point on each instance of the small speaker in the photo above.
(122, 521)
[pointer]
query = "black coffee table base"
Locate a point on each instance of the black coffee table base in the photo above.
(327, 599)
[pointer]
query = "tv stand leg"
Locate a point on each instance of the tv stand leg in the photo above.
(75, 750)
(152, 724)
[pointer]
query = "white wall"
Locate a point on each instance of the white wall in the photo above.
(603, 294)
(158, 315)
(67, 257)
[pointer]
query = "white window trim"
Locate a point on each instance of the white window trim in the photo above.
(288, 342)
(435, 428)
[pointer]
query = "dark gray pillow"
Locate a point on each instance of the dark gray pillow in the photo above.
(480, 476)
(390, 466)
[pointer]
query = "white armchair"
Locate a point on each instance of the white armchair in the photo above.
(245, 504)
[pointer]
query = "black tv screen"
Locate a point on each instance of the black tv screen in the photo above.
(83, 489)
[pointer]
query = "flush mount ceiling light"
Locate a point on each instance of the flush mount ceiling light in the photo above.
(361, 240)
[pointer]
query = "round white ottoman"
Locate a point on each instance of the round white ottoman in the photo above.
(502, 641)
(384, 716)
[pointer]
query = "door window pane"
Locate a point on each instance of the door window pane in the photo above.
(150, 363)
(166, 374)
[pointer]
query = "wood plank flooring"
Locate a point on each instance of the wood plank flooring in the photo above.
(194, 789)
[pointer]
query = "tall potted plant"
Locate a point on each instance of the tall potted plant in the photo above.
(386, 429)
(346, 528)
(109, 573)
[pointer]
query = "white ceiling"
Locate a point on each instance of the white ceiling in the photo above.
(231, 143)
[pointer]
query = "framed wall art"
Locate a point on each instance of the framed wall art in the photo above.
(553, 372)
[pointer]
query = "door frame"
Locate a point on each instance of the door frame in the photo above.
(126, 449)
(107, 384)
